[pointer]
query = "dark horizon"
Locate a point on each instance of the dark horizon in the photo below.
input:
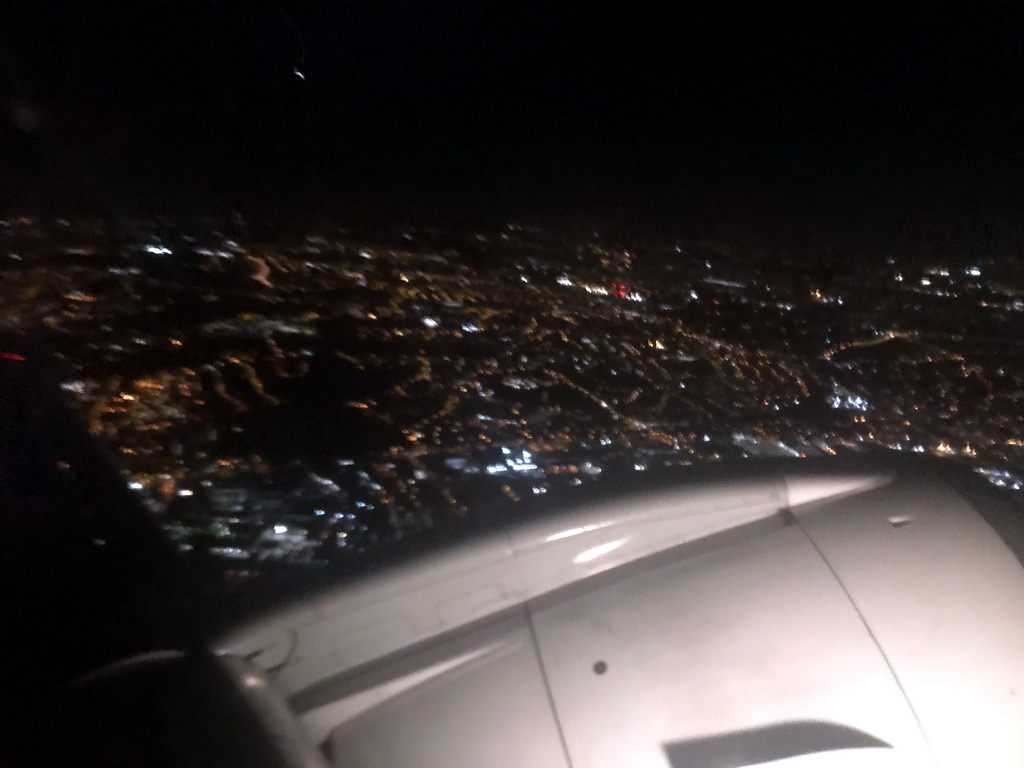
(839, 129)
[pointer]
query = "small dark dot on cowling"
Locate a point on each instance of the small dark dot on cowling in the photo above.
(600, 667)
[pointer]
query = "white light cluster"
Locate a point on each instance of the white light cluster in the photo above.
(847, 401)
(1001, 478)
(521, 463)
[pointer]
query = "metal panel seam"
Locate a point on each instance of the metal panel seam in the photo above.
(547, 686)
(871, 634)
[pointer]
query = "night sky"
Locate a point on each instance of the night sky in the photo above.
(823, 122)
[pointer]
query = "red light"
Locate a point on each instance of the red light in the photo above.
(11, 356)
(620, 290)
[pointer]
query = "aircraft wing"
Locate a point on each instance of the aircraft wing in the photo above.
(823, 617)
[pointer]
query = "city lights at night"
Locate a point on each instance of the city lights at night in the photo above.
(350, 402)
(527, 385)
